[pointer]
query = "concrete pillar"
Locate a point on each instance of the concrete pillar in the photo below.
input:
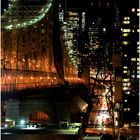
(12, 110)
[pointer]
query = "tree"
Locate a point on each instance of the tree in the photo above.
(102, 58)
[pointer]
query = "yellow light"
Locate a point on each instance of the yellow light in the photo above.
(48, 77)
(124, 71)
(126, 80)
(21, 77)
(125, 88)
(125, 67)
(126, 22)
(126, 30)
(125, 42)
(126, 18)
(125, 34)
(40, 78)
(9, 77)
(133, 59)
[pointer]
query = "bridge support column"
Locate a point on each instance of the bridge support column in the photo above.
(86, 76)
(12, 110)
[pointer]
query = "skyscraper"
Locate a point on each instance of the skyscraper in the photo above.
(130, 62)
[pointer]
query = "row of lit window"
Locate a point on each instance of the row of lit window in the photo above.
(126, 80)
(125, 42)
(125, 34)
(127, 18)
(134, 124)
(126, 88)
(127, 92)
(128, 31)
(137, 76)
(126, 22)
(137, 11)
(73, 13)
(125, 71)
(126, 109)
(125, 67)
(126, 84)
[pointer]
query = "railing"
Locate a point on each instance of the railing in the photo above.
(12, 80)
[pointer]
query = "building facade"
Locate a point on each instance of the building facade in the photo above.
(130, 63)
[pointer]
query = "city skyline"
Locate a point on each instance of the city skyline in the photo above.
(61, 43)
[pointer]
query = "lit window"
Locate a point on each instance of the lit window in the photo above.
(125, 42)
(125, 55)
(138, 43)
(126, 30)
(124, 71)
(133, 9)
(125, 34)
(126, 22)
(127, 92)
(138, 14)
(104, 29)
(125, 67)
(125, 101)
(126, 109)
(126, 84)
(133, 59)
(126, 18)
(125, 88)
(138, 30)
(138, 76)
(126, 80)
(138, 10)
(133, 76)
(134, 124)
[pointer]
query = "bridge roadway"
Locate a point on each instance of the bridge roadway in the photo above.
(51, 91)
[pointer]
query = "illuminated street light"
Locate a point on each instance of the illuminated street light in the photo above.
(22, 122)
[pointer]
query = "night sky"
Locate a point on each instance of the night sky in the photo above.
(4, 5)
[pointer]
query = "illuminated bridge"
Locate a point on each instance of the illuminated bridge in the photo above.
(33, 52)
(39, 71)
